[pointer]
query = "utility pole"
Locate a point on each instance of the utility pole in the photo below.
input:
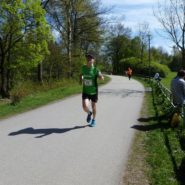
(149, 56)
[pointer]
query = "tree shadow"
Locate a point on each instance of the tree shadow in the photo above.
(151, 127)
(164, 117)
(153, 118)
(159, 124)
(179, 171)
(182, 143)
(45, 132)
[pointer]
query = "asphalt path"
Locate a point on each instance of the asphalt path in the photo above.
(53, 145)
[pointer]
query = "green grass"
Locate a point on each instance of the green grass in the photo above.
(162, 148)
(38, 99)
(166, 81)
(165, 156)
(42, 97)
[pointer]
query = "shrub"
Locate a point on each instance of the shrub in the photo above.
(142, 67)
(17, 93)
(30, 88)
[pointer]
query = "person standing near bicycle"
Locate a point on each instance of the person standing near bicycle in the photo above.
(88, 77)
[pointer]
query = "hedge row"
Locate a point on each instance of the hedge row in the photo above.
(144, 68)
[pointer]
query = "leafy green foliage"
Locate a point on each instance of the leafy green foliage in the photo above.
(167, 80)
(142, 68)
(79, 25)
(176, 63)
(33, 47)
(24, 35)
(124, 51)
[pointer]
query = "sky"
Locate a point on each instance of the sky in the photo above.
(137, 12)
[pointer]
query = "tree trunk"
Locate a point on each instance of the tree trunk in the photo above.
(40, 73)
(69, 44)
(142, 51)
(3, 91)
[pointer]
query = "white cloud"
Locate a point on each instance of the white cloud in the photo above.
(135, 13)
(127, 2)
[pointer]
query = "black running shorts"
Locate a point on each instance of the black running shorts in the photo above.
(93, 98)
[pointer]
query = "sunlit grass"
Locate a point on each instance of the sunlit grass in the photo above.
(39, 96)
(167, 80)
(164, 151)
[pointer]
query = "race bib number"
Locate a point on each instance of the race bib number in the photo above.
(88, 82)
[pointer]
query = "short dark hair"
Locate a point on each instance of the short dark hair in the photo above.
(181, 73)
(89, 56)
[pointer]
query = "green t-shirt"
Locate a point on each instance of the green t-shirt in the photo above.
(90, 79)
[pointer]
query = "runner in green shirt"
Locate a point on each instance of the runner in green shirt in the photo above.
(89, 75)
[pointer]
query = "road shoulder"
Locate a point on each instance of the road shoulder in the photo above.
(137, 171)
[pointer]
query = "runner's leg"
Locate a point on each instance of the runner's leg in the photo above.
(93, 121)
(85, 105)
(94, 109)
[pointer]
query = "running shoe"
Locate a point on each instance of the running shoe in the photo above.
(93, 123)
(89, 117)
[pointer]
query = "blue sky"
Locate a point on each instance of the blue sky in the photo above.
(137, 12)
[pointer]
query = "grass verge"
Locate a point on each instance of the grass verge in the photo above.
(41, 97)
(165, 155)
(137, 168)
(167, 81)
(157, 155)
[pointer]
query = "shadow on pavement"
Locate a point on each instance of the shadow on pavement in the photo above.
(121, 92)
(147, 119)
(151, 127)
(45, 132)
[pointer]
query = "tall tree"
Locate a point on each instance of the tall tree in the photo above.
(143, 35)
(54, 64)
(78, 23)
(119, 46)
(171, 15)
(23, 39)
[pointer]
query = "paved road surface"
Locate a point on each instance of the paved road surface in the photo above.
(53, 146)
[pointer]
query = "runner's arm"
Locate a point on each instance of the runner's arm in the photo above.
(81, 79)
(100, 75)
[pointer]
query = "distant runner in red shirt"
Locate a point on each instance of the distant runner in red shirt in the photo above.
(129, 73)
